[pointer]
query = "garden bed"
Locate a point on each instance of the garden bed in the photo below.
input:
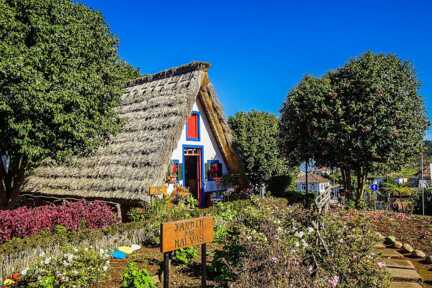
(262, 241)
(413, 229)
(150, 258)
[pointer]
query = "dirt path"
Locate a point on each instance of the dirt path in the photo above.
(405, 271)
(413, 229)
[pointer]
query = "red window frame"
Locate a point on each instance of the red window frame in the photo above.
(193, 127)
(214, 170)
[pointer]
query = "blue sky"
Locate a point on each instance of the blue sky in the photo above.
(260, 49)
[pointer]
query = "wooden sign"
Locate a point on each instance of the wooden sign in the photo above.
(186, 233)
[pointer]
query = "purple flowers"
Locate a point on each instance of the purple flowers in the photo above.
(24, 221)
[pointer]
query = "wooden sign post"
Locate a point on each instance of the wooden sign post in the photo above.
(186, 233)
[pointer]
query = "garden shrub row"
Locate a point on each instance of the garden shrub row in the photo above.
(17, 253)
(271, 244)
(73, 267)
(265, 242)
(26, 221)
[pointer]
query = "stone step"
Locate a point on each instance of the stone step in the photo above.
(389, 253)
(405, 285)
(379, 246)
(403, 274)
(399, 263)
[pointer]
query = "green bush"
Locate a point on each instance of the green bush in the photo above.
(394, 189)
(184, 256)
(256, 140)
(163, 209)
(46, 240)
(256, 251)
(190, 202)
(223, 213)
(224, 261)
(348, 252)
(134, 277)
(281, 186)
(306, 200)
(60, 230)
(273, 245)
(418, 202)
(160, 211)
(75, 267)
(146, 226)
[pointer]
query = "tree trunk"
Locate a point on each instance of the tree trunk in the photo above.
(11, 180)
(343, 177)
(3, 196)
(4, 193)
(346, 178)
(306, 201)
(306, 177)
(361, 177)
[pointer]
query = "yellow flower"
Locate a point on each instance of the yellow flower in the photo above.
(8, 282)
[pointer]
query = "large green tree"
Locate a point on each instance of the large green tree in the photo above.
(257, 143)
(366, 114)
(60, 78)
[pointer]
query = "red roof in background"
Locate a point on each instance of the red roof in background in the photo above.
(312, 178)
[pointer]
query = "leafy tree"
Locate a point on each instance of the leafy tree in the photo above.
(361, 116)
(60, 78)
(256, 140)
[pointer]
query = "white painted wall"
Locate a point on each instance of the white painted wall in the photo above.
(313, 187)
(401, 180)
(210, 150)
(378, 180)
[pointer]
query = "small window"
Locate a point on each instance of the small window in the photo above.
(214, 170)
(192, 127)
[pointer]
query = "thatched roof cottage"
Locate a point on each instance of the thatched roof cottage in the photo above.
(173, 122)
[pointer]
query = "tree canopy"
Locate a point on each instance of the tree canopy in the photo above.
(364, 114)
(60, 78)
(256, 140)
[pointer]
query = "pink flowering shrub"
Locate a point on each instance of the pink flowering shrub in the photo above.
(375, 216)
(402, 216)
(26, 221)
(270, 244)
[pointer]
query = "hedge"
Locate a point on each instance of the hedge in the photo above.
(18, 253)
(26, 221)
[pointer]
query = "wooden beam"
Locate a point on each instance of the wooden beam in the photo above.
(215, 121)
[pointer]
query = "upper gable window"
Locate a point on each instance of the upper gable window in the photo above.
(193, 127)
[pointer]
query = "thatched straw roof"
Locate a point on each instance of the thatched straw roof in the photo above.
(155, 109)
